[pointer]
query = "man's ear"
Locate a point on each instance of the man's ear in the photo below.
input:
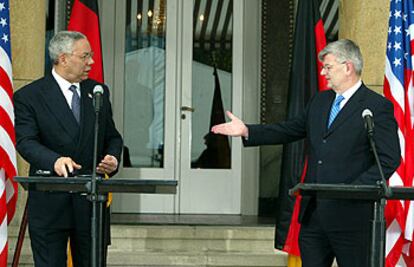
(62, 59)
(349, 68)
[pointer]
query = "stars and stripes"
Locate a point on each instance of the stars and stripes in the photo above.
(8, 167)
(398, 87)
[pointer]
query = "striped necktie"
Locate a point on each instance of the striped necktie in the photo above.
(335, 109)
(75, 104)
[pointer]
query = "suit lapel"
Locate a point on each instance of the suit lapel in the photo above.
(56, 102)
(353, 104)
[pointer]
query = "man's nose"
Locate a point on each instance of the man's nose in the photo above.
(91, 61)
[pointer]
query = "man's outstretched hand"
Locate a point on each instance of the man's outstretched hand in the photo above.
(235, 127)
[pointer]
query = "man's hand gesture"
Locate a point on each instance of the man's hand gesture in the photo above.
(235, 127)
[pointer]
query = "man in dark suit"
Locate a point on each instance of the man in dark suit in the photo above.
(54, 130)
(338, 152)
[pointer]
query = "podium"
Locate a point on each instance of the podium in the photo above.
(360, 192)
(83, 185)
(344, 191)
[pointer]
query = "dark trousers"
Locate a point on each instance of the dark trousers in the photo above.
(49, 247)
(319, 246)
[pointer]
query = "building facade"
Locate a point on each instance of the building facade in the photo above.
(159, 58)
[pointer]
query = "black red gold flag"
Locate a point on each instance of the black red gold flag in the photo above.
(84, 18)
(305, 81)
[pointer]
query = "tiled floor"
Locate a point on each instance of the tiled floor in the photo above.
(191, 219)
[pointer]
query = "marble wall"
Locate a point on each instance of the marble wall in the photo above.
(27, 26)
(366, 23)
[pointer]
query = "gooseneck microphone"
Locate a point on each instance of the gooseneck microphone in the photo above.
(378, 221)
(97, 97)
(369, 123)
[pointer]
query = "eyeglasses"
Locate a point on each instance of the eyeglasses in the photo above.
(328, 67)
(85, 56)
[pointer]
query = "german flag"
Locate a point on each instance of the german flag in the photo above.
(305, 81)
(85, 19)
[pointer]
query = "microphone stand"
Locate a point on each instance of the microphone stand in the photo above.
(97, 200)
(377, 256)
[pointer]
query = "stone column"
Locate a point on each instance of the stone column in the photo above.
(366, 23)
(27, 26)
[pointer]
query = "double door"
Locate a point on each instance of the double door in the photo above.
(177, 67)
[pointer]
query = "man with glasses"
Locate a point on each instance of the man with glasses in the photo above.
(338, 152)
(54, 122)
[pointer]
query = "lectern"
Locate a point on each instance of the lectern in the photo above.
(83, 185)
(360, 192)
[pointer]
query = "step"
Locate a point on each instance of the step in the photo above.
(192, 238)
(216, 259)
(170, 245)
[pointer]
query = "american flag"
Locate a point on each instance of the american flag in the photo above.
(399, 88)
(8, 188)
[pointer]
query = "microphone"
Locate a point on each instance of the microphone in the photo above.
(369, 123)
(97, 97)
(93, 194)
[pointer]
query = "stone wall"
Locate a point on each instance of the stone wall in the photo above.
(366, 23)
(27, 26)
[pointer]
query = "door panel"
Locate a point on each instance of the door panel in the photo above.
(165, 53)
(207, 172)
(142, 69)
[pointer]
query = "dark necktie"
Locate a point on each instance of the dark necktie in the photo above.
(335, 109)
(75, 103)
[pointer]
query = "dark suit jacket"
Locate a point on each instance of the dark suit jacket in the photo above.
(340, 154)
(46, 130)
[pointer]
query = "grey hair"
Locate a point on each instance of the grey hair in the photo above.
(345, 51)
(62, 43)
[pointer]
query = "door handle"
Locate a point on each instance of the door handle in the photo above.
(187, 108)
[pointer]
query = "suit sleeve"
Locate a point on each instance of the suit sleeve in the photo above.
(28, 135)
(277, 133)
(387, 145)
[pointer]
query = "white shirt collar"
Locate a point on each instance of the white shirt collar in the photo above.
(64, 87)
(64, 84)
(349, 93)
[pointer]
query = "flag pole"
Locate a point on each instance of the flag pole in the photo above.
(20, 239)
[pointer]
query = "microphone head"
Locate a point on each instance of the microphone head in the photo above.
(367, 112)
(98, 89)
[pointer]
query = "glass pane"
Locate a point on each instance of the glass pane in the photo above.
(144, 83)
(212, 82)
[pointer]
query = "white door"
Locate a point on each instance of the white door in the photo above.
(210, 180)
(163, 95)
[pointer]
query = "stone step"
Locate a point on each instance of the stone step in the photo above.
(184, 231)
(166, 245)
(194, 238)
(201, 238)
(213, 259)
